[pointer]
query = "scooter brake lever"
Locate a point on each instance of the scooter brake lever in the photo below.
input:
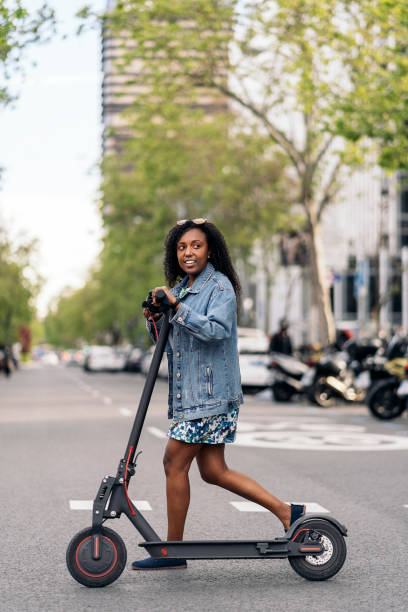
(132, 466)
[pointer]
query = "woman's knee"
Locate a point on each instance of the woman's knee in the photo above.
(213, 475)
(175, 464)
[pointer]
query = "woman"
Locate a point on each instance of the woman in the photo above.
(204, 377)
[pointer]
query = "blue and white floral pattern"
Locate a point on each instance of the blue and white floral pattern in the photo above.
(218, 429)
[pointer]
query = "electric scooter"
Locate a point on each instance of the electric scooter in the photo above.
(96, 556)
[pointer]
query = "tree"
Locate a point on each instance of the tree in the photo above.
(316, 78)
(186, 165)
(19, 29)
(18, 287)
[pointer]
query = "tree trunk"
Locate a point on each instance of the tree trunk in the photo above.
(320, 289)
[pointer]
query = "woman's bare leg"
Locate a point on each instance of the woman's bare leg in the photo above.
(177, 460)
(213, 469)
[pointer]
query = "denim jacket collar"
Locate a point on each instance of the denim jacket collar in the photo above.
(199, 282)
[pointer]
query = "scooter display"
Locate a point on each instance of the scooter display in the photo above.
(96, 556)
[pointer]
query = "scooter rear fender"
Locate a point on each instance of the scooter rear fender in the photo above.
(303, 520)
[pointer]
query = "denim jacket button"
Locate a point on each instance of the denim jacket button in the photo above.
(178, 354)
(180, 319)
(178, 395)
(178, 374)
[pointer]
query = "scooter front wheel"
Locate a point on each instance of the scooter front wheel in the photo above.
(99, 572)
(328, 563)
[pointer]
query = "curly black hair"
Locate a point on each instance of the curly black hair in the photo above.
(220, 257)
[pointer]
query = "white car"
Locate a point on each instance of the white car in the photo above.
(104, 358)
(253, 359)
(147, 359)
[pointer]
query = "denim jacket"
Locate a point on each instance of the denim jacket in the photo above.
(202, 351)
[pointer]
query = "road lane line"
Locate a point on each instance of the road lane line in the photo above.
(248, 506)
(107, 400)
(157, 432)
(125, 411)
(87, 504)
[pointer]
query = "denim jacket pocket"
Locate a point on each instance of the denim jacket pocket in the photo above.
(209, 381)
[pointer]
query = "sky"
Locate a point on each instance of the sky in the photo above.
(50, 146)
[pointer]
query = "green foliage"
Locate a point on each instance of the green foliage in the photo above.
(71, 320)
(18, 287)
(20, 28)
(183, 166)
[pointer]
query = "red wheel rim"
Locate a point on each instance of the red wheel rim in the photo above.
(96, 575)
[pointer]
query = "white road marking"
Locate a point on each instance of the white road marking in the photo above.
(405, 505)
(311, 436)
(87, 504)
(248, 506)
(125, 411)
(107, 400)
(157, 432)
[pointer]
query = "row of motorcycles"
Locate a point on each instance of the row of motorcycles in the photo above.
(371, 371)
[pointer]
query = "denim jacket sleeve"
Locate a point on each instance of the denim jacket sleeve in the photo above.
(216, 324)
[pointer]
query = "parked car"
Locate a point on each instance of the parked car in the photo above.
(72, 357)
(253, 359)
(49, 358)
(134, 360)
(147, 359)
(104, 358)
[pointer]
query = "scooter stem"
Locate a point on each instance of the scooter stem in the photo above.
(148, 389)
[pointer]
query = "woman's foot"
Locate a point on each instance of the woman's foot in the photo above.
(159, 564)
(292, 513)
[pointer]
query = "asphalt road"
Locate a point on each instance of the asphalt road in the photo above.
(62, 430)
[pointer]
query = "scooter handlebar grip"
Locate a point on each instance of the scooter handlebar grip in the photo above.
(161, 296)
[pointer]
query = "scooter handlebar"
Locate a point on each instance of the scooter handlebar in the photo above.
(161, 299)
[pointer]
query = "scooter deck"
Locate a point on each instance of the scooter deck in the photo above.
(277, 548)
(280, 548)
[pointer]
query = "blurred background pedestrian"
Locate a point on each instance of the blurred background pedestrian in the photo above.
(280, 341)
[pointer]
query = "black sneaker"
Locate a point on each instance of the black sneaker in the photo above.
(159, 564)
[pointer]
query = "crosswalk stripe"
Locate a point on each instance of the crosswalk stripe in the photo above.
(157, 432)
(87, 504)
(248, 506)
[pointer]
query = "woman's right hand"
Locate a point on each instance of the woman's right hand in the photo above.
(148, 315)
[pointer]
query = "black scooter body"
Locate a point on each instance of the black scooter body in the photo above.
(97, 556)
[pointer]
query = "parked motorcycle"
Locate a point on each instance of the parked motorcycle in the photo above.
(389, 398)
(329, 379)
(286, 376)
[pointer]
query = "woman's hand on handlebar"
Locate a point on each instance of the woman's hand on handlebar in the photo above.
(148, 315)
(170, 296)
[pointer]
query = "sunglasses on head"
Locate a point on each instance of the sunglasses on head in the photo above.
(198, 221)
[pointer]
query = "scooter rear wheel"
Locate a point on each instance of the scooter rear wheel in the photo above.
(326, 565)
(89, 571)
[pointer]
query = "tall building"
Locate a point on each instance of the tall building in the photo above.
(121, 87)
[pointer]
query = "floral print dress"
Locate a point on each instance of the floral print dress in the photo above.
(218, 429)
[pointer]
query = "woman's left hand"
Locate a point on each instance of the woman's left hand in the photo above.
(170, 296)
